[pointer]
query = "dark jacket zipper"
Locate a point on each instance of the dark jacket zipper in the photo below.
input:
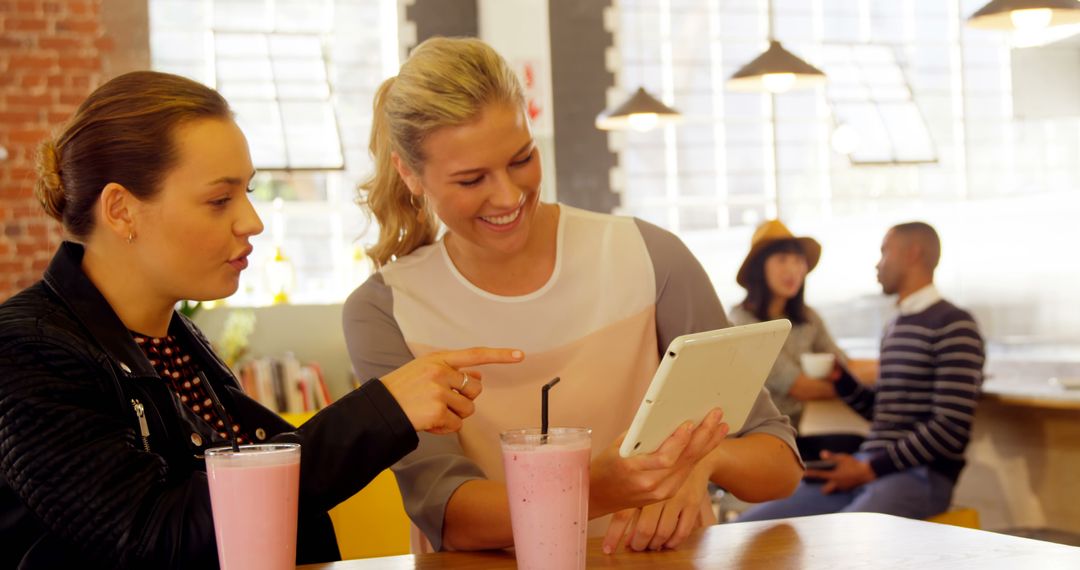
(144, 429)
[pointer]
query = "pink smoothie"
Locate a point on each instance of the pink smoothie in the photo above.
(548, 487)
(253, 495)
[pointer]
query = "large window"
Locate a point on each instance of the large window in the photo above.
(924, 110)
(279, 86)
(875, 120)
(301, 76)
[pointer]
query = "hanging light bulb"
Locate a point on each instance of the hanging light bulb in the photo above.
(641, 112)
(1031, 19)
(776, 70)
(1025, 15)
(642, 122)
(778, 82)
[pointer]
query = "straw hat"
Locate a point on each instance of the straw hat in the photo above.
(769, 233)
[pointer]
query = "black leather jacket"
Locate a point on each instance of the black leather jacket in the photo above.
(80, 486)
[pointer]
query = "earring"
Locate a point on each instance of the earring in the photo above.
(421, 211)
(131, 237)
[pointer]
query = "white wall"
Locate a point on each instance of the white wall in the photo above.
(1046, 81)
(519, 31)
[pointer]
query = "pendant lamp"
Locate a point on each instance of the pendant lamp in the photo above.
(641, 112)
(775, 71)
(1025, 14)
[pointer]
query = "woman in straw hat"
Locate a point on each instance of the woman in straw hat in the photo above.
(774, 276)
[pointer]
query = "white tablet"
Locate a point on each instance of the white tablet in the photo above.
(724, 368)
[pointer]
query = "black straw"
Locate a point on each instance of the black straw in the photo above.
(544, 409)
(221, 410)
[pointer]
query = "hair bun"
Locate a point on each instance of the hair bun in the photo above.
(50, 188)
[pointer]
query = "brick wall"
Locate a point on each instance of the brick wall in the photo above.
(51, 57)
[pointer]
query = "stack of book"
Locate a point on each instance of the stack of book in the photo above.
(284, 384)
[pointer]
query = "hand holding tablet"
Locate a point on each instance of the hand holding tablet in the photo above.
(724, 368)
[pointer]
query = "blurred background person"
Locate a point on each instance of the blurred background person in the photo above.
(774, 276)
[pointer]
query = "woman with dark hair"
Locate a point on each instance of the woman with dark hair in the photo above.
(109, 398)
(774, 276)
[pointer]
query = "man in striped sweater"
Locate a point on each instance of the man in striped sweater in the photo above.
(921, 407)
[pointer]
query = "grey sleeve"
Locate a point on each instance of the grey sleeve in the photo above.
(784, 371)
(429, 475)
(823, 341)
(687, 303)
(782, 376)
(372, 337)
(740, 316)
(685, 299)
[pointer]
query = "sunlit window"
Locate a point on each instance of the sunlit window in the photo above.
(278, 85)
(301, 76)
(915, 122)
(713, 171)
(869, 95)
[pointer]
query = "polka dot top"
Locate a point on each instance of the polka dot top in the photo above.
(177, 369)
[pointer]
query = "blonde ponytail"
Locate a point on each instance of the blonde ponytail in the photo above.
(402, 228)
(445, 82)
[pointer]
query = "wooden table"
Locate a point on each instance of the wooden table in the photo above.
(1025, 392)
(845, 540)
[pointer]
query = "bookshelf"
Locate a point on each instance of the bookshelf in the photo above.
(311, 332)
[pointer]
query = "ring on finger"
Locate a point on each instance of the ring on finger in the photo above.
(464, 382)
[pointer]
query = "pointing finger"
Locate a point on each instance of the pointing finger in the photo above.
(481, 355)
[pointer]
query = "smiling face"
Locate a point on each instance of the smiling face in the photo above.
(785, 272)
(482, 179)
(192, 237)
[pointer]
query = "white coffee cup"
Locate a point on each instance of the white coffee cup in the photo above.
(817, 364)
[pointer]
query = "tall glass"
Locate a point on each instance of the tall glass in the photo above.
(254, 496)
(547, 480)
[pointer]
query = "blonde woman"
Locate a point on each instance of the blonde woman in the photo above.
(591, 298)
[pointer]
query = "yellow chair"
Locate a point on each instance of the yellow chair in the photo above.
(297, 419)
(372, 522)
(958, 516)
